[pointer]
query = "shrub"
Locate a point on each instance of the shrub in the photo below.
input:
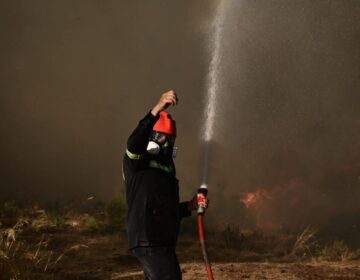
(10, 213)
(55, 218)
(91, 224)
(337, 251)
(231, 236)
(116, 211)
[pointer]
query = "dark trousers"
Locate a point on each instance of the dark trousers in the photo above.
(159, 263)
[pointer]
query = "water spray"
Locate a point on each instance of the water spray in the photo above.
(212, 89)
(210, 112)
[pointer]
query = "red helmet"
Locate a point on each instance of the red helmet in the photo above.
(165, 124)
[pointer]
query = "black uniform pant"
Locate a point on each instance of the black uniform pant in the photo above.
(159, 263)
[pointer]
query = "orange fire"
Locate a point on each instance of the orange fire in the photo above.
(252, 198)
(267, 205)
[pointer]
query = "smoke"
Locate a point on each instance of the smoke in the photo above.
(77, 77)
(290, 122)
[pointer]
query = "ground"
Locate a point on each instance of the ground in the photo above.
(45, 246)
(98, 257)
(262, 271)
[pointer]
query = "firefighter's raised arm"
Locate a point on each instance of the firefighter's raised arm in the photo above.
(168, 98)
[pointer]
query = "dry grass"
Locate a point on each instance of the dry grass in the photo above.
(336, 251)
(71, 246)
(304, 243)
(18, 258)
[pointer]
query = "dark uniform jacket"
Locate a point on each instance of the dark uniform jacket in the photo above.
(152, 192)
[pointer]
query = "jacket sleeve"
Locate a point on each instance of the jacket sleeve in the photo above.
(139, 138)
(183, 210)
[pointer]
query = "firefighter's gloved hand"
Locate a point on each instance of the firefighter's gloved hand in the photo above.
(168, 98)
(193, 203)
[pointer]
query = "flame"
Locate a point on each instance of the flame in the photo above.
(266, 204)
(252, 198)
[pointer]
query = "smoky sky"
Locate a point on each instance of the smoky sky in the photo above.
(289, 121)
(76, 77)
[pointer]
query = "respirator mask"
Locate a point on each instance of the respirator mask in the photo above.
(161, 143)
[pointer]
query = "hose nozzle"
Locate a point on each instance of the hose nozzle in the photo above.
(201, 199)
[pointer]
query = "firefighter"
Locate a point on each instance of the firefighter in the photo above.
(152, 193)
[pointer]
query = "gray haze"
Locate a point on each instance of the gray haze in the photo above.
(76, 76)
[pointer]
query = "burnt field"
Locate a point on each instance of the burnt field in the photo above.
(91, 244)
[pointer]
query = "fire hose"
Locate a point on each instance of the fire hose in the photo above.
(201, 199)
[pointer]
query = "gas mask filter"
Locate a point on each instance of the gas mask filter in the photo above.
(153, 148)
